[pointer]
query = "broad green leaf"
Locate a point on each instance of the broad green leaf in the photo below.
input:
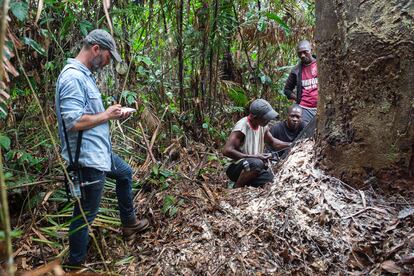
(155, 170)
(35, 45)
(4, 142)
(86, 27)
(129, 96)
(169, 207)
(145, 60)
(19, 9)
(279, 20)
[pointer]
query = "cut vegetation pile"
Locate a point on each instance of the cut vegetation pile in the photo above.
(305, 222)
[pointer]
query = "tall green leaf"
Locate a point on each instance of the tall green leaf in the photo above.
(279, 20)
(35, 45)
(19, 9)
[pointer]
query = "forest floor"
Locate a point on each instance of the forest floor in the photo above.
(306, 222)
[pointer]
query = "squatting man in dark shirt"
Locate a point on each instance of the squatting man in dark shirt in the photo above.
(246, 146)
(288, 130)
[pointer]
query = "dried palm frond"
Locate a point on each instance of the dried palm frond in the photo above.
(149, 119)
(6, 69)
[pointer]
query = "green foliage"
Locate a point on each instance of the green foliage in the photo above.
(5, 142)
(129, 96)
(145, 59)
(67, 24)
(279, 20)
(20, 158)
(14, 234)
(171, 205)
(19, 9)
(160, 176)
(34, 200)
(35, 45)
(85, 27)
(176, 129)
(238, 96)
(392, 153)
(264, 78)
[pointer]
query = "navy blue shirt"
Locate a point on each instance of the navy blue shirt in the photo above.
(283, 133)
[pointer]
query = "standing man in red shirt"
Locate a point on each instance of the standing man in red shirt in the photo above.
(304, 77)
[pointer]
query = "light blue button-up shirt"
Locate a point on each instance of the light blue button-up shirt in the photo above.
(77, 94)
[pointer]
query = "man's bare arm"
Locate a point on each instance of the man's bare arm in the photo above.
(273, 142)
(232, 148)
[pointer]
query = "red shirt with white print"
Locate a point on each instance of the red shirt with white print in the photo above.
(309, 85)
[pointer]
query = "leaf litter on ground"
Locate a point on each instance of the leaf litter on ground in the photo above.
(306, 222)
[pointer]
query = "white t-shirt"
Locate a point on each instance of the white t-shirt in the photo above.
(253, 139)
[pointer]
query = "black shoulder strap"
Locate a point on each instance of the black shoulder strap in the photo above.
(78, 146)
(299, 85)
(74, 163)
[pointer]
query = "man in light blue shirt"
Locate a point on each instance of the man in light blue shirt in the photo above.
(79, 107)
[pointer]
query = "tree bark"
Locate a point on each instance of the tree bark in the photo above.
(180, 54)
(365, 55)
(211, 86)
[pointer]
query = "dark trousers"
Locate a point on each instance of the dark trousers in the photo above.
(308, 114)
(91, 198)
(250, 164)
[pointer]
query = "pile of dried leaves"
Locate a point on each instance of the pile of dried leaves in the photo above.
(306, 222)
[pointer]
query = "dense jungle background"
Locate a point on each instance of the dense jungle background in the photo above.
(190, 69)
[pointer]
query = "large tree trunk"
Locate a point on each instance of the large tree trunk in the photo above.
(366, 87)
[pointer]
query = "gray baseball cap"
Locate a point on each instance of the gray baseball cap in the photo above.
(105, 40)
(262, 109)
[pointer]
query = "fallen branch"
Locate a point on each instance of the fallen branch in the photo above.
(366, 209)
(149, 148)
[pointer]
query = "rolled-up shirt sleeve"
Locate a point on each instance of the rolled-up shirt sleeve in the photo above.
(72, 102)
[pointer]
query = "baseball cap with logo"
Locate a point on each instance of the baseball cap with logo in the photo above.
(262, 109)
(104, 40)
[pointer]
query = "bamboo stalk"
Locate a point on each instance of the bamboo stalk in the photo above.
(3, 188)
(6, 219)
(179, 17)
